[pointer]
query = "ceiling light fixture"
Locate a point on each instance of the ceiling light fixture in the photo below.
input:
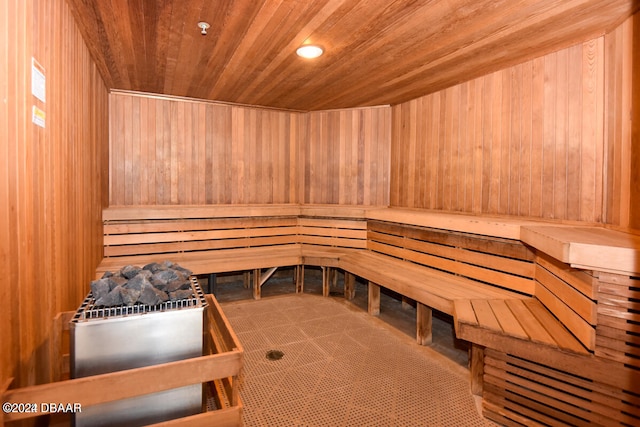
(309, 51)
(204, 26)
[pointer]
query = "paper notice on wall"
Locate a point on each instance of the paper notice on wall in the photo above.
(38, 81)
(38, 116)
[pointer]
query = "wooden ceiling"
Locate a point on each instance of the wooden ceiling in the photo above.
(377, 51)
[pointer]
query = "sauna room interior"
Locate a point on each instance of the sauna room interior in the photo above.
(477, 161)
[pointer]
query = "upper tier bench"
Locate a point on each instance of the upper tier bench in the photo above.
(439, 260)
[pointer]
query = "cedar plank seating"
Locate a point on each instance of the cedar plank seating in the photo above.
(216, 240)
(436, 267)
(528, 295)
(485, 321)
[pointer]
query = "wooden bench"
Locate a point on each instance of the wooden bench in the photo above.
(430, 288)
(432, 266)
(537, 301)
(219, 239)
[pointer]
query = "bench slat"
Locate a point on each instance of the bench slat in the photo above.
(516, 283)
(147, 226)
(463, 312)
(485, 315)
(332, 223)
(534, 330)
(559, 333)
(196, 246)
(333, 232)
(507, 319)
(576, 324)
(580, 304)
(186, 236)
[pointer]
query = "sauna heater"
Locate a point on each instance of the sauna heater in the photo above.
(105, 340)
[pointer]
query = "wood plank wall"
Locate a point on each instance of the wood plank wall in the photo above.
(52, 180)
(542, 139)
(621, 170)
(635, 119)
(172, 151)
(346, 158)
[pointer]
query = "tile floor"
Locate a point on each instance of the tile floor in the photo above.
(341, 367)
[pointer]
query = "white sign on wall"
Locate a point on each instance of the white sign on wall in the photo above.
(38, 81)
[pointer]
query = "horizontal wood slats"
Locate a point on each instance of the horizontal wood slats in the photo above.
(223, 244)
(433, 288)
(570, 295)
(499, 262)
(618, 330)
(517, 390)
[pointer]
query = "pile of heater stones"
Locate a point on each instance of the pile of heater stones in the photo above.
(152, 284)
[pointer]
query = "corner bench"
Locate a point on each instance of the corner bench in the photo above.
(529, 295)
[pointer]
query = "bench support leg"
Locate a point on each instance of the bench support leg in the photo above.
(406, 303)
(374, 299)
(256, 284)
(476, 368)
(211, 283)
(349, 286)
(424, 323)
(327, 276)
(299, 278)
(246, 277)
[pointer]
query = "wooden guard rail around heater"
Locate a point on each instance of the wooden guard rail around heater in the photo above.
(218, 369)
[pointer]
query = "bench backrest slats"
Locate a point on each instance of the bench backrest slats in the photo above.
(499, 262)
(181, 236)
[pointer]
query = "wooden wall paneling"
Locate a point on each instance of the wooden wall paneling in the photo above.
(592, 149)
(549, 134)
(485, 179)
(178, 151)
(617, 134)
(635, 131)
(346, 157)
(496, 143)
(559, 179)
(523, 163)
(506, 174)
(51, 182)
(9, 130)
(523, 141)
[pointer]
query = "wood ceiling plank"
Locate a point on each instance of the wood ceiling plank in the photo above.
(378, 52)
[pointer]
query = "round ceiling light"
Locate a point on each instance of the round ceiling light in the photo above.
(309, 51)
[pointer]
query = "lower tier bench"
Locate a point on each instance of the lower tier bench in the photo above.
(505, 324)
(430, 288)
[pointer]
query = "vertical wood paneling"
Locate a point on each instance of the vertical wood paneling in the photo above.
(548, 138)
(217, 154)
(635, 131)
(200, 152)
(51, 180)
(617, 127)
(347, 157)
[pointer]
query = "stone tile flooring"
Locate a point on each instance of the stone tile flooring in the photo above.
(342, 367)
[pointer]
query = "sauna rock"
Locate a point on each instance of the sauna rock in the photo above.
(152, 284)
